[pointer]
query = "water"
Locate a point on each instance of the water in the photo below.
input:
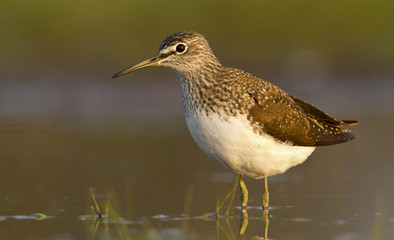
(131, 146)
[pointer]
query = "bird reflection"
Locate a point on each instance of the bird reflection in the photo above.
(244, 221)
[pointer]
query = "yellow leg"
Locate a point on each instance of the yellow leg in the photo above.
(244, 195)
(266, 196)
(265, 199)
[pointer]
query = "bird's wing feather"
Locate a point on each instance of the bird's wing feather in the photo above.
(316, 113)
(292, 120)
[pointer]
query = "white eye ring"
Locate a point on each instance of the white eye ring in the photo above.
(180, 48)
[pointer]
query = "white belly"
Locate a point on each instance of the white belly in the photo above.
(233, 144)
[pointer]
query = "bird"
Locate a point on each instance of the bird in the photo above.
(243, 122)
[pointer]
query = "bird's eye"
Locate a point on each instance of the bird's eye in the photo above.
(180, 48)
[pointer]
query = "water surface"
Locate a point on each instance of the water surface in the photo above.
(161, 186)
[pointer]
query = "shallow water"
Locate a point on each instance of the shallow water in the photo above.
(161, 186)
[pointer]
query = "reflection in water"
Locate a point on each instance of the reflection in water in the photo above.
(245, 221)
(112, 225)
(46, 164)
(266, 222)
(113, 218)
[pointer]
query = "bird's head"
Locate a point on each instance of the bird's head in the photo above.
(185, 52)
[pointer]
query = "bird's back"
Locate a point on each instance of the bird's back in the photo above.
(272, 111)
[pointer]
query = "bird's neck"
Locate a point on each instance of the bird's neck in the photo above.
(194, 90)
(202, 92)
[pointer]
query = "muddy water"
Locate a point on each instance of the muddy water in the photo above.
(153, 182)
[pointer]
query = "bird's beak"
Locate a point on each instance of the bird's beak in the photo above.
(147, 63)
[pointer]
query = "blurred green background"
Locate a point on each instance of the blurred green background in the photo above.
(96, 37)
(61, 54)
(66, 125)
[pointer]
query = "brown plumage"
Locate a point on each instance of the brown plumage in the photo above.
(241, 121)
(270, 109)
(290, 119)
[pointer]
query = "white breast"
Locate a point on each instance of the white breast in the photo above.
(233, 144)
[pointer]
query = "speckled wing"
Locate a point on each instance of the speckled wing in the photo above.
(291, 120)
